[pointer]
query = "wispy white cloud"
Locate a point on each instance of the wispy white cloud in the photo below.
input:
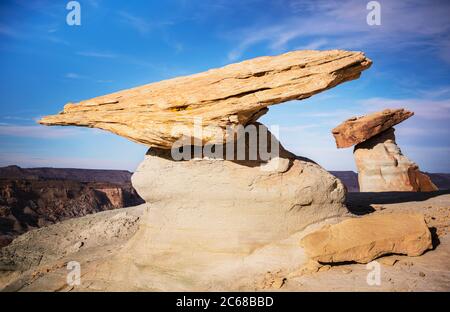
(16, 118)
(38, 132)
(313, 45)
(21, 33)
(424, 108)
(342, 24)
(44, 7)
(74, 76)
(444, 50)
(8, 31)
(97, 54)
(405, 130)
(296, 129)
(337, 114)
(56, 40)
(94, 3)
(144, 25)
(436, 93)
(178, 46)
(138, 23)
(26, 160)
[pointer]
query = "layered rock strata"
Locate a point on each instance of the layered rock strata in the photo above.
(380, 163)
(383, 168)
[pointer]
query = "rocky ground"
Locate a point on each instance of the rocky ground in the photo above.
(429, 272)
(37, 260)
(39, 256)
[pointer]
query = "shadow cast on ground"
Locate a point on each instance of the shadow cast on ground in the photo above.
(360, 203)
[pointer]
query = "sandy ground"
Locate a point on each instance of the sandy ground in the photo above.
(37, 260)
(429, 272)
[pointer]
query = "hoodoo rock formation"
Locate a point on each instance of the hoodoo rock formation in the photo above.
(210, 216)
(380, 163)
(227, 207)
(383, 168)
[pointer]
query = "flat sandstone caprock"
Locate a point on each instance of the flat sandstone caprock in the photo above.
(161, 113)
(358, 129)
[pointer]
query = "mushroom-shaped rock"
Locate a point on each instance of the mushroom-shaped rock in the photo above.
(359, 129)
(162, 113)
(226, 198)
(380, 163)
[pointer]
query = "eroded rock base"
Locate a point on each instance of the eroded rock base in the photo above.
(383, 168)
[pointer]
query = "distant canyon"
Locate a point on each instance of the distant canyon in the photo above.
(33, 198)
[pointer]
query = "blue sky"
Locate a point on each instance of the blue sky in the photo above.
(44, 63)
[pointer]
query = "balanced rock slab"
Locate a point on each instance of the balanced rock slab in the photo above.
(162, 113)
(367, 238)
(383, 168)
(359, 129)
